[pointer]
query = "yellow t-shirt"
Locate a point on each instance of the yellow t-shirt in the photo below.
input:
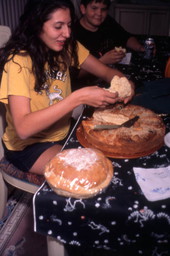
(19, 80)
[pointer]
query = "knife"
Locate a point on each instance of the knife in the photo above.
(127, 124)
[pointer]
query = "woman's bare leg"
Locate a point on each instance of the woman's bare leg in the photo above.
(44, 158)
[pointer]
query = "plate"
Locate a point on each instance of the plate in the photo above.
(167, 139)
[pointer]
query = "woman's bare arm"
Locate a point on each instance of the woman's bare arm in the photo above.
(29, 123)
(97, 68)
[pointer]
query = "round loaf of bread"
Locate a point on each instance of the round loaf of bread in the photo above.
(120, 85)
(79, 173)
(144, 137)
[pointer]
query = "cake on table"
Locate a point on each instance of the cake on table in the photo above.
(144, 137)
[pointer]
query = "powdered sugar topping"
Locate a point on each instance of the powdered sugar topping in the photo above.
(80, 159)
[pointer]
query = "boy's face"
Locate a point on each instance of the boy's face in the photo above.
(94, 13)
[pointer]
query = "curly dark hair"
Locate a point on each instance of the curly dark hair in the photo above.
(25, 40)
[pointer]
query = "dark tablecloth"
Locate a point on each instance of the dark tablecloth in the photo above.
(141, 70)
(120, 219)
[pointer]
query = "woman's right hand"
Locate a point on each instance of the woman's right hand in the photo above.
(95, 96)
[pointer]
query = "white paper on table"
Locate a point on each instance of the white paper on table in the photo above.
(154, 182)
(126, 60)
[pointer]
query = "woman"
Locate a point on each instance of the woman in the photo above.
(35, 83)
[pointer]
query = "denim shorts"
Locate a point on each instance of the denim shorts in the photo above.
(25, 159)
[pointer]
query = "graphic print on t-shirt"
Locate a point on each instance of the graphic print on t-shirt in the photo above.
(53, 92)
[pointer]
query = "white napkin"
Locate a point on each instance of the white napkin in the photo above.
(154, 182)
(126, 60)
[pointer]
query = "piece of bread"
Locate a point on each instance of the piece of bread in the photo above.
(120, 85)
(79, 172)
(143, 138)
(119, 49)
(106, 116)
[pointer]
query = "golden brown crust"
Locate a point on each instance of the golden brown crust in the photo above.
(143, 138)
(79, 173)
